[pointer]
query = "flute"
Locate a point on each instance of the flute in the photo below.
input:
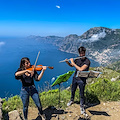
(73, 58)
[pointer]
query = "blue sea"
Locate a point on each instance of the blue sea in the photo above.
(13, 49)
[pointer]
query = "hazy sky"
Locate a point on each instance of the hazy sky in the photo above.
(56, 17)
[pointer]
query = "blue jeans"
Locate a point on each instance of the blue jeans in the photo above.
(25, 93)
(81, 84)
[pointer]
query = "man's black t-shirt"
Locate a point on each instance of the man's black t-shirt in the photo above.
(80, 62)
(27, 80)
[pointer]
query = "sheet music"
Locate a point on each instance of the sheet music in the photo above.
(82, 74)
(88, 74)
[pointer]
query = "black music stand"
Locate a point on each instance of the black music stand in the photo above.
(59, 80)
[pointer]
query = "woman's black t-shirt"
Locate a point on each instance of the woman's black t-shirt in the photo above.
(27, 80)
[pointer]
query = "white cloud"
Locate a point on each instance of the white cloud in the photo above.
(2, 43)
(57, 6)
(96, 37)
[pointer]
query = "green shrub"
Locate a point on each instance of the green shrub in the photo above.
(105, 90)
(12, 103)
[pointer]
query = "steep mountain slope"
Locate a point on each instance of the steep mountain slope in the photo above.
(103, 44)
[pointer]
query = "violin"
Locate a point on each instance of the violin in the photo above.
(38, 68)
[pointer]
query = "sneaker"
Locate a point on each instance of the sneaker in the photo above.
(82, 110)
(70, 103)
(43, 117)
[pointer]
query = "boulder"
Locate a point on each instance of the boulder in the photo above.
(14, 115)
(1, 108)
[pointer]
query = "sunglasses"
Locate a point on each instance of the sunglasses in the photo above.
(27, 63)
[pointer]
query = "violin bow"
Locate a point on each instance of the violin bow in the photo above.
(36, 60)
(69, 59)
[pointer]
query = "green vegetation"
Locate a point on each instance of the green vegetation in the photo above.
(97, 89)
(104, 89)
(115, 66)
(11, 103)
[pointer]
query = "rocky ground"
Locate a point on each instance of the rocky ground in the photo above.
(102, 111)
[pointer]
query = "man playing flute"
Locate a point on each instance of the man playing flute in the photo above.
(81, 64)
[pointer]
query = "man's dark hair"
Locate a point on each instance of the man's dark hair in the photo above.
(81, 49)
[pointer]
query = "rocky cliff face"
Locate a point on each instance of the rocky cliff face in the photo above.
(103, 44)
(56, 40)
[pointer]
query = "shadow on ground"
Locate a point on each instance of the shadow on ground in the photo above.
(98, 113)
(80, 118)
(52, 112)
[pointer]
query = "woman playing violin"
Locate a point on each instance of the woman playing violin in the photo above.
(27, 78)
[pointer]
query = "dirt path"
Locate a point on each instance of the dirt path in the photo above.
(102, 111)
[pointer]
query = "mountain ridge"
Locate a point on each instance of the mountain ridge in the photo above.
(102, 44)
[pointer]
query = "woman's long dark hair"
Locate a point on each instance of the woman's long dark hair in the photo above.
(22, 62)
